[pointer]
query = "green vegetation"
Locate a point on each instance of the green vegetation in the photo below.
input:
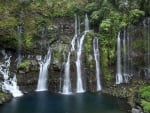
(28, 41)
(24, 65)
(89, 51)
(88, 42)
(33, 16)
(4, 97)
(145, 98)
(107, 15)
(107, 18)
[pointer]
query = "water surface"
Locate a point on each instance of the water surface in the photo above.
(47, 102)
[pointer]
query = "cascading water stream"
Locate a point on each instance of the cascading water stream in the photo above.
(9, 84)
(73, 43)
(79, 31)
(119, 78)
(43, 74)
(125, 63)
(60, 78)
(19, 59)
(78, 65)
(124, 55)
(128, 54)
(148, 32)
(146, 25)
(86, 24)
(79, 87)
(75, 36)
(67, 81)
(97, 61)
(4, 67)
(12, 87)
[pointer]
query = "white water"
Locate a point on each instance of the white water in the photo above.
(86, 23)
(9, 84)
(67, 81)
(43, 75)
(97, 61)
(79, 87)
(75, 36)
(73, 43)
(79, 30)
(119, 78)
(78, 65)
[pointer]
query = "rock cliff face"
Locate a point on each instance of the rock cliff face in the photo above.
(58, 36)
(29, 27)
(62, 32)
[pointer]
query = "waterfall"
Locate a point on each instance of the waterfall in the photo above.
(9, 84)
(78, 65)
(86, 23)
(146, 23)
(124, 56)
(19, 59)
(79, 26)
(12, 87)
(128, 54)
(148, 32)
(43, 74)
(67, 81)
(75, 36)
(97, 61)
(79, 86)
(119, 78)
(125, 63)
(73, 43)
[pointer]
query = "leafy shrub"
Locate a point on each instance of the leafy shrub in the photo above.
(146, 105)
(145, 95)
(24, 65)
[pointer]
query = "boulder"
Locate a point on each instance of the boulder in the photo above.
(136, 110)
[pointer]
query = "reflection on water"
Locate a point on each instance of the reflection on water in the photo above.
(47, 102)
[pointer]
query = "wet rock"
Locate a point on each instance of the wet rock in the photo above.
(4, 97)
(34, 62)
(136, 110)
(1, 102)
(21, 72)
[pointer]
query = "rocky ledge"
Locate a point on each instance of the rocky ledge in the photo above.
(5, 97)
(129, 92)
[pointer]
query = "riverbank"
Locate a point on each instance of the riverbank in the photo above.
(130, 92)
